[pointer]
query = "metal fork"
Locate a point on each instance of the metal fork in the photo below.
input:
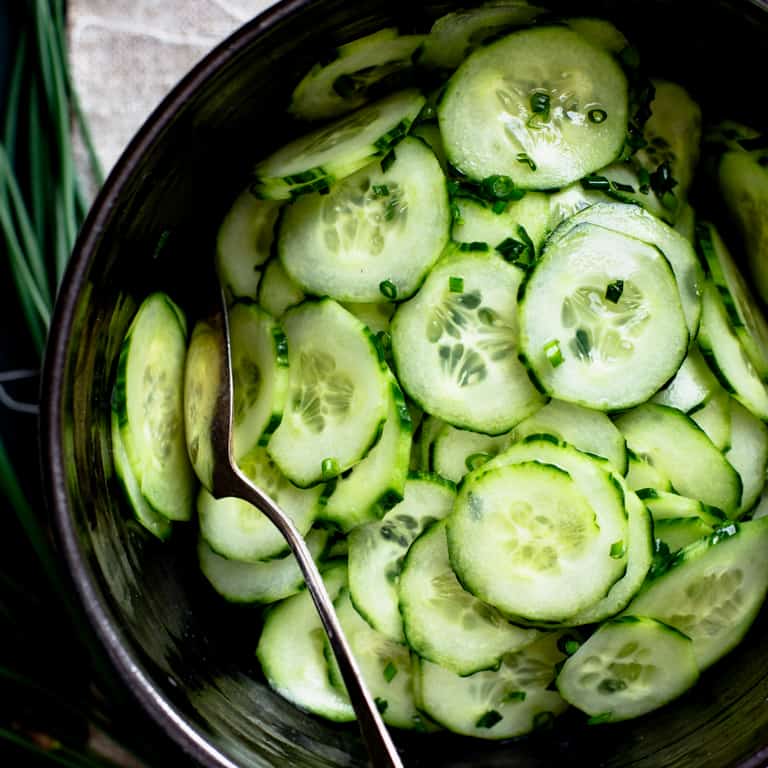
(228, 481)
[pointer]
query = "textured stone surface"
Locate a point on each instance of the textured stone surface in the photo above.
(127, 54)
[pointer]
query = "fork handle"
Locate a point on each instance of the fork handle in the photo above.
(381, 749)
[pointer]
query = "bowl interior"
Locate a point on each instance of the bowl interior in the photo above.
(187, 655)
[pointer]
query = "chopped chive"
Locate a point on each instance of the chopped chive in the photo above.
(597, 115)
(389, 672)
(384, 340)
(455, 212)
(510, 248)
(568, 645)
(489, 719)
(594, 182)
(329, 468)
(603, 717)
(553, 353)
(381, 704)
(618, 550)
(540, 104)
(523, 158)
(614, 291)
(619, 187)
(387, 160)
(500, 188)
(516, 696)
(380, 190)
(501, 205)
(453, 186)
(388, 289)
(475, 460)
(456, 284)
(473, 246)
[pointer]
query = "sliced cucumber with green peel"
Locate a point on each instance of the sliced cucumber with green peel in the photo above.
(337, 399)
(630, 666)
(642, 474)
(384, 664)
(588, 430)
(455, 35)
(714, 417)
(244, 243)
(291, 652)
(377, 483)
(529, 539)
(458, 451)
(599, 32)
(745, 316)
(713, 589)
(748, 454)
(359, 68)
(153, 521)
(423, 446)
(239, 531)
(678, 532)
(277, 290)
(376, 315)
(377, 550)
(259, 360)
(684, 453)
(591, 315)
(638, 223)
(375, 234)
(664, 505)
(333, 152)
(727, 357)
(479, 222)
(429, 132)
(542, 106)
(511, 701)
(693, 384)
(261, 582)
(148, 401)
(455, 345)
(443, 622)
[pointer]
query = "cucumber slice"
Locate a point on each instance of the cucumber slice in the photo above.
(727, 358)
(743, 182)
(599, 32)
(376, 316)
(455, 35)
(678, 532)
(429, 132)
(376, 551)
(458, 451)
(259, 375)
(480, 223)
(591, 316)
(636, 222)
(713, 589)
(443, 622)
(744, 314)
(693, 384)
(148, 401)
(640, 551)
(455, 345)
(384, 664)
(527, 539)
(375, 235)
(630, 666)
(512, 701)
(237, 530)
(333, 152)
(244, 243)
(664, 505)
(423, 445)
(277, 290)
(361, 67)
(588, 430)
(541, 106)
(642, 474)
(748, 454)
(153, 521)
(377, 483)
(291, 652)
(262, 582)
(685, 223)
(337, 399)
(714, 417)
(684, 453)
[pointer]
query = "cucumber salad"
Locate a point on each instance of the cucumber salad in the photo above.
(495, 360)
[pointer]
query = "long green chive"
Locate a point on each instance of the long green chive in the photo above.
(388, 289)
(553, 353)
(614, 290)
(456, 284)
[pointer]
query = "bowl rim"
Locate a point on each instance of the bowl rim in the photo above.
(101, 616)
(189, 737)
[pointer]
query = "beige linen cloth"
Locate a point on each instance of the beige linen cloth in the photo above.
(127, 54)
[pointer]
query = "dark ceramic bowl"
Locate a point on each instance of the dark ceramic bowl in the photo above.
(186, 655)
